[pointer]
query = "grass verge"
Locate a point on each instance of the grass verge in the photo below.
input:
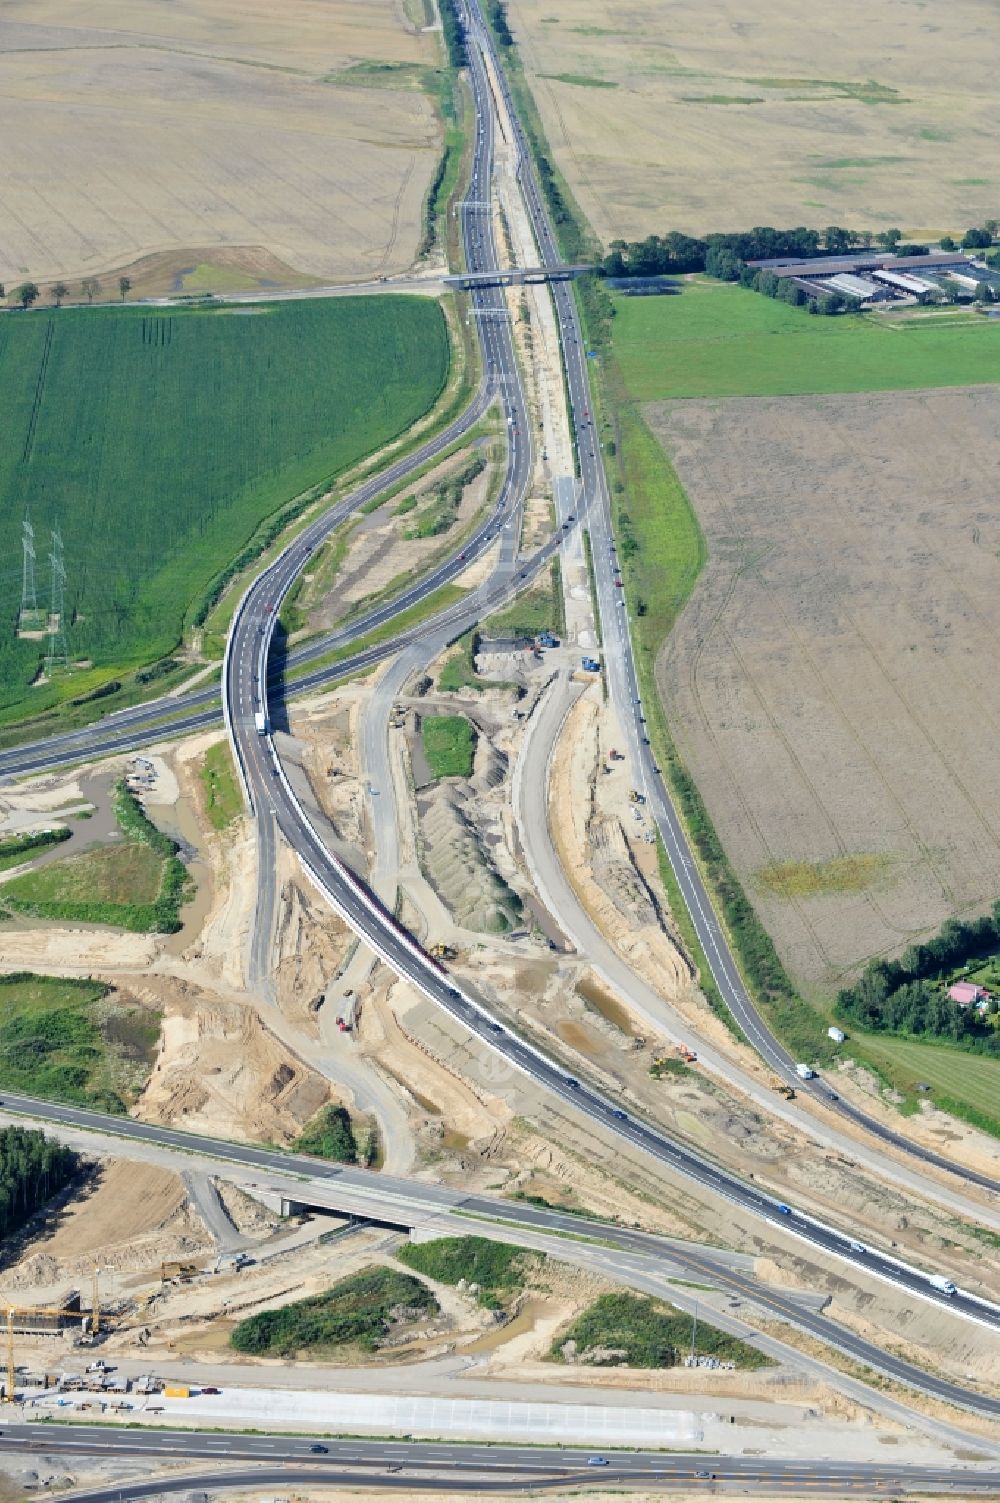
(358, 1312)
(221, 791)
(16, 849)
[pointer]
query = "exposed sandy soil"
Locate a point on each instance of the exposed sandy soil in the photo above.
(127, 1215)
(830, 683)
(219, 1072)
(211, 123)
(719, 119)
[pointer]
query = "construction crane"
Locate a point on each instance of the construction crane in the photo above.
(95, 1302)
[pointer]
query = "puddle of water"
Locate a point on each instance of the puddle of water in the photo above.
(578, 1036)
(594, 995)
(525, 1320)
(213, 1338)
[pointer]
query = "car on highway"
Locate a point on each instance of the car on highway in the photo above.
(705, 1474)
(319, 1450)
(597, 1461)
(783, 1209)
(571, 1080)
(622, 1116)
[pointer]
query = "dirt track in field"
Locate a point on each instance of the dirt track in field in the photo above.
(718, 116)
(151, 128)
(832, 682)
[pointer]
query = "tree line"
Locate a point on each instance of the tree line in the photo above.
(28, 293)
(33, 1168)
(908, 996)
(677, 253)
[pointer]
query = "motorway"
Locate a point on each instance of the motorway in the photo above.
(397, 1200)
(271, 796)
(433, 1466)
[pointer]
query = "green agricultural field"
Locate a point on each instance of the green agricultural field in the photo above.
(159, 442)
(449, 745)
(73, 1041)
(964, 1083)
(719, 340)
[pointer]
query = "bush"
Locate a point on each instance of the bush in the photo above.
(648, 1333)
(357, 1311)
(498, 1268)
(330, 1135)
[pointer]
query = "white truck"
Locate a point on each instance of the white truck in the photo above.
(943, 1285)
(260, 721)
(805, 1072)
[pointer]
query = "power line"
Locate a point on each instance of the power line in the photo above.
(58, 653)
(29, 619)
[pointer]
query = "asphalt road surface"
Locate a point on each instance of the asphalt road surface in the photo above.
(427, 1464)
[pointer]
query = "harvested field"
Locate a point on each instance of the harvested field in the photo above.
(212, 124)
(709, 117)
(830, 683)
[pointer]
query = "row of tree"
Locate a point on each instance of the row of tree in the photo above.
(677, 253)
(727, 267)
(28, 293)
(978, 237)
(454, 34)
(907, 995)
(32, 1169)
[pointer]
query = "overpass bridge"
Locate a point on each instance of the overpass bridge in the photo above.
(513, 276)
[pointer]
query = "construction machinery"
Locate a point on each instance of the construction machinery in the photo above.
(787, 1091)
(443, 952)
(686, 1054)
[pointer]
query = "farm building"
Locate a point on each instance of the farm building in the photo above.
(965, 993)
(859, 288)
(875, 276)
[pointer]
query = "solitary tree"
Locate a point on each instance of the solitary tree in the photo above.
(59, 291)
(3, 290)
(889, 238)
(124, 287)
(837, 240)
(26, 294)
(90, 287)
(946, 243)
